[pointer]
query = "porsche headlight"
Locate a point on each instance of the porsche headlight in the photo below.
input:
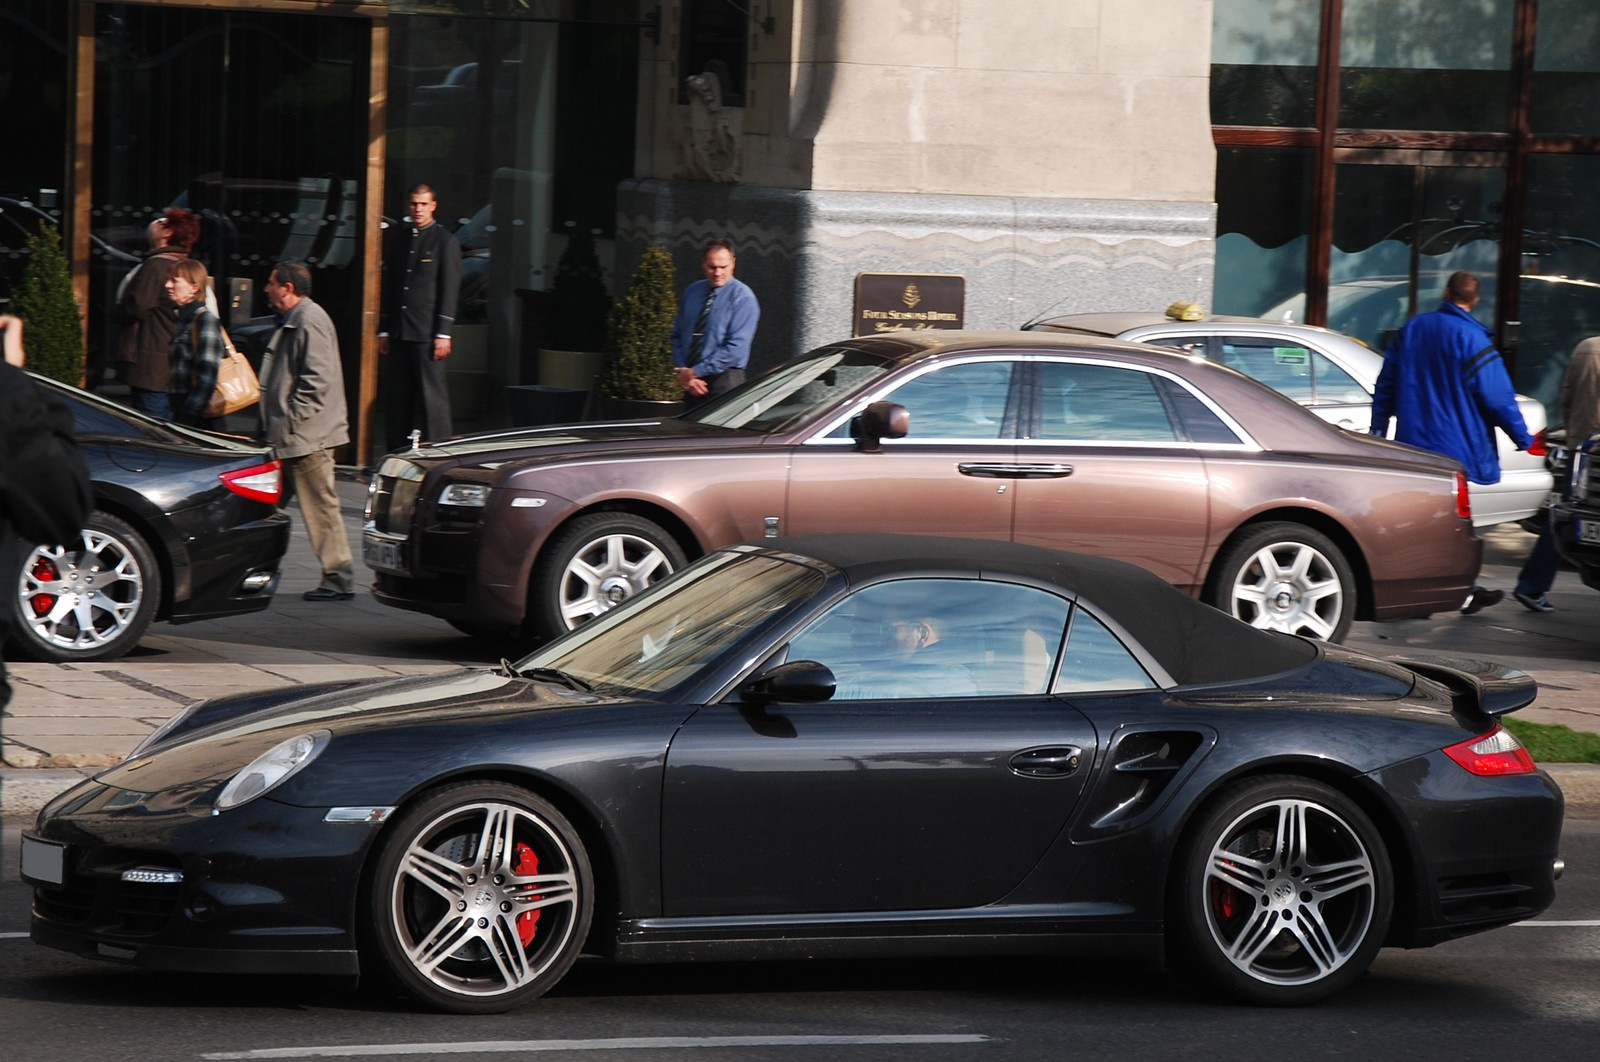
(270, 769)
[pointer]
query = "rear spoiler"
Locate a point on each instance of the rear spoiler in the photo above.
(1478, 685)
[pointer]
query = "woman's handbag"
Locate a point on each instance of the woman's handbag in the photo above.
(237, 386)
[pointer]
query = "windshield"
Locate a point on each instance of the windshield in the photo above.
(795, 392)
(658, 640)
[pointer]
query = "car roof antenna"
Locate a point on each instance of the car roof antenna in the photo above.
(1042, 315)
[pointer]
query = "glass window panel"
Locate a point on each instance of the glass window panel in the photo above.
(958, 401)
(1097, 661)
(1566, 69)
(1101, 403)
(1560, 286)
(1421, 64)
(1305, 375)
(1264, 62)
(920, 638)
(1263, 218)
(1376, 232)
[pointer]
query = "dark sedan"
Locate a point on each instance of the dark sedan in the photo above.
(186, 526)
(834, 746)
(1219, 484)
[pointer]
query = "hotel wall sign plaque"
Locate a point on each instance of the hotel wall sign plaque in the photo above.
(895, 302)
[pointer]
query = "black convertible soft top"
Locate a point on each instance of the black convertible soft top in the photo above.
(1196, 643)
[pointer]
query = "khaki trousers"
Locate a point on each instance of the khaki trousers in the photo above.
(312, 478)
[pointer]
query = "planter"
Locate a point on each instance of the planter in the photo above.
(636, 408)
(532, 404)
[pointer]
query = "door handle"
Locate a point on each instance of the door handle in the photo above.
(1009, 471)
(1051, 762)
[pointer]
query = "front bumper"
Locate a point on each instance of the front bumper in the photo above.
(266, 888)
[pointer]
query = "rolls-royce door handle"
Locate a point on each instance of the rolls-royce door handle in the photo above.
(1011, 471)
(1049, 762)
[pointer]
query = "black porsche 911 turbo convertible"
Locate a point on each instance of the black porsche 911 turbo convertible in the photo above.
(826, 747)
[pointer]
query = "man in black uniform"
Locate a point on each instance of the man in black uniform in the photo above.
(421, 281)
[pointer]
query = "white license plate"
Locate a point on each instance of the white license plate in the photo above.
(1588, 531)
(384, 555)
(44, 861)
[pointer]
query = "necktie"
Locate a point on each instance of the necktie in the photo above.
(700, 330)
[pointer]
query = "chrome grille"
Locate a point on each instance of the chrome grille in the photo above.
(392, 498)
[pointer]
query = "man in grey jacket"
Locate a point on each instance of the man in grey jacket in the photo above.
(303, 413)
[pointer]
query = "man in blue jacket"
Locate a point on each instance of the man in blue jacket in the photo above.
(714, 328)
(1447, 389)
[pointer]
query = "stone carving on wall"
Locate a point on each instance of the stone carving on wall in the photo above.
(711, 131)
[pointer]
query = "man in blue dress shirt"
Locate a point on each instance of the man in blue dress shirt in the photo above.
(715, 325)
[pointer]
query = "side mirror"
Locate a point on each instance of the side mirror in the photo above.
(879, 421)
(799, 680)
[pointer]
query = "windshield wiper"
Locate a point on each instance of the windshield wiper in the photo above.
(552, 674)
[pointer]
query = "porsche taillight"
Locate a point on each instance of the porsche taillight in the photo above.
(1463, 499)
(263, 483)
(1496, 753)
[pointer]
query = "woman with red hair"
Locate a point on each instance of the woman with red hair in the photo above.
(151, 314)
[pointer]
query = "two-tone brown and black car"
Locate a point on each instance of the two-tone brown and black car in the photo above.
(1220, 485)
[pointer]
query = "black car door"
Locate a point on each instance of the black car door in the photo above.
(929, 782)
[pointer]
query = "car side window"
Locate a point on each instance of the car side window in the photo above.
(1101, 403)
(962, 401)
(937, 638)
(1305, 375)
(1097, 661)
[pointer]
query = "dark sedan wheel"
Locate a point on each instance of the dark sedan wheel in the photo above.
(1285, 894)
(91, 600)
(1286, 577)
(481, 898)
(594, 565)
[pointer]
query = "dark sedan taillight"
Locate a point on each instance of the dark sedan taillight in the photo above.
(263, 483)
(1463, 499)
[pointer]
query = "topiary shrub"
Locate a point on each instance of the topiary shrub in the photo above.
(49, 310)
(579, 301)
(639, 335)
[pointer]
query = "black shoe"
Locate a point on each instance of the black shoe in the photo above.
(1481, 599)
(1533, 602)
(323, 593)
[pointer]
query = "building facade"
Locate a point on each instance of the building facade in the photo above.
(1327, 160)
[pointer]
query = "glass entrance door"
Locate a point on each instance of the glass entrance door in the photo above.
(1403, 221)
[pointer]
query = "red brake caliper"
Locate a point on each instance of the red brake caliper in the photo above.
(45, 572)
(526, 863)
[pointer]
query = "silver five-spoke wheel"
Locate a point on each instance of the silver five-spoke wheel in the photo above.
(482, 897)
(594, 565)
(1285, 577)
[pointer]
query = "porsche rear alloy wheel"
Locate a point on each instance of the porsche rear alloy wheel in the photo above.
(481, 898)
(1286, 891)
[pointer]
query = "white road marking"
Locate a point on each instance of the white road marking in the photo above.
(13, 936)
(1588, 923)
(625, 1043)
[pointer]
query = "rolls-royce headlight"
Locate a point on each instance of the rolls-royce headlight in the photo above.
(464, 495)
(271, 769)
